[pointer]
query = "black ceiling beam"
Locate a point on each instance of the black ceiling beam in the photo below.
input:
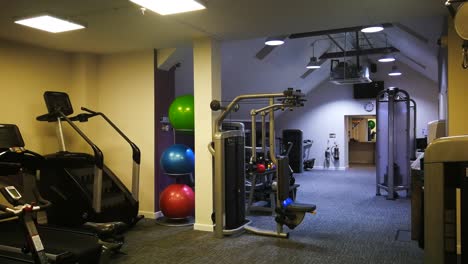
(411, 32)
(332, 31)
(367, 40)
(334, 55)
(335, 42)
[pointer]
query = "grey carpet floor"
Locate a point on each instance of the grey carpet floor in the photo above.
(352, 225)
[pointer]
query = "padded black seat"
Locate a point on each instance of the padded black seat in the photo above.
(300, 207)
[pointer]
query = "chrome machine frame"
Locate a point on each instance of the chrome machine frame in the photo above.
(387, 143)
(288, 99)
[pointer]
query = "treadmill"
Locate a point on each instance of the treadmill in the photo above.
(59, 245)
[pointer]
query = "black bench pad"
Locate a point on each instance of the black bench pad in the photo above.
(300, 207)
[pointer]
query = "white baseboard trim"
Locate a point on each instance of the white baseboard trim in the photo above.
(203, 227)
(149, 215)
(329, 168)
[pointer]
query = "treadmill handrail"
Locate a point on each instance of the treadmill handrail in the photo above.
(8, 212)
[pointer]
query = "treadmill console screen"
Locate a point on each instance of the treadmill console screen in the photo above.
(13, 192)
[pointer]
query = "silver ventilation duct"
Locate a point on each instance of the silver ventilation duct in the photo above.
(343, 72)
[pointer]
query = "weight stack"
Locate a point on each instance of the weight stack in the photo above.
(296, 154)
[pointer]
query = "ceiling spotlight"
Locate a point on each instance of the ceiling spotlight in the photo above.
(313, 64)
(395, 71)
(49, 24)
(372, 29)
(164, 7)
(387, 58)
(275, 41)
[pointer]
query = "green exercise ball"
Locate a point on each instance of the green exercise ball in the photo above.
(181, 113)
(371, 124)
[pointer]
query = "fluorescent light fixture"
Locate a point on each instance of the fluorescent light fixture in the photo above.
(168, 7)
(387, 58)
(313, 64)
(395, 71)
(275, 41)
(49, 23)
(372, 29)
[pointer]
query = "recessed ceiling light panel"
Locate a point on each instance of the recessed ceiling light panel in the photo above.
(168, 7)
(49, 24)
(372, 29)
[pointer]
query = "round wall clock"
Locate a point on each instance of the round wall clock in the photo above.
(369, 106)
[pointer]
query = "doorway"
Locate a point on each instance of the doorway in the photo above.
(360, 140)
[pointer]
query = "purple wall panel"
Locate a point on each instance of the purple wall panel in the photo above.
(164, 91)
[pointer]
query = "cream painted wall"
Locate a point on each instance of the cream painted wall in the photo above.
(83, 81)
(25, 73)
(120, 85)
(457, 86)
(125, 93)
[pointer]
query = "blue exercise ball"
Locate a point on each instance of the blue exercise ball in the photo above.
(178, 159)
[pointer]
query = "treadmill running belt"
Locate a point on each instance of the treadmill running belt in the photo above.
(84, 248)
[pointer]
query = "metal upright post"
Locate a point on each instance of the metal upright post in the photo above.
(254, 136)
(60, 136)
(219, 185)
(279, 227)
(97, 189)
(135, 181)
(391, 130)
(264, 134)
(272, 133)
(377, 153)
(411, 150)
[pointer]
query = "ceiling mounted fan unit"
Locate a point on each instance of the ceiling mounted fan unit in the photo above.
(346, 72)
